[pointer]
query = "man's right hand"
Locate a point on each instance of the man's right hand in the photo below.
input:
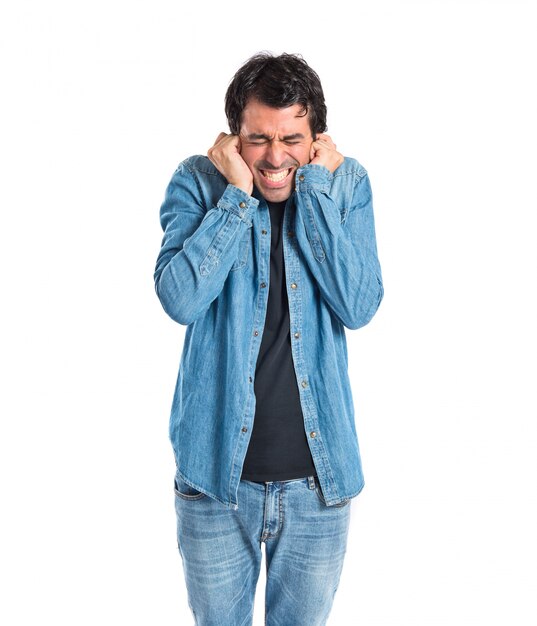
(226, 157)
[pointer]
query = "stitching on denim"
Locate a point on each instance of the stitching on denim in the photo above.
(281, 512)
(186, 496)
(316, 243)
(187, 165)
(244, 252)
(338, 505)
(264, 535)
(270, 535)
(193, 162)
(354, 169)
(207, 493)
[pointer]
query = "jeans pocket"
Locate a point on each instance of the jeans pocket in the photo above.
(319, 493)
(184, 490)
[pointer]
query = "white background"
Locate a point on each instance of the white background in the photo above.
(101, 100)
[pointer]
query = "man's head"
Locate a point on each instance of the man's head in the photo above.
(276, 105)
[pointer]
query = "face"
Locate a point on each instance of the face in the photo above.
(274, 143)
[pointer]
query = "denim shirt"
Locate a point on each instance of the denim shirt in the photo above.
(212, 275)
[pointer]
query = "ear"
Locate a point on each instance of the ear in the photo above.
(312, 151)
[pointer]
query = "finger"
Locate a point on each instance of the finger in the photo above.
(319, 146)
(327, 140)
(219, 138)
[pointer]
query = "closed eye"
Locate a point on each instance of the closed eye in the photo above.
(263, 143)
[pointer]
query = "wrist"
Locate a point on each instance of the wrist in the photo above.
(237, 201)
(313, 176)
(246, 186)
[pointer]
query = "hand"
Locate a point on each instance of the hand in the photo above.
(226, 157)
(323, 152)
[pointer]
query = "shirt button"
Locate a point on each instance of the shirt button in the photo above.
(244, 429)
(250, 378)
(256, 333)
(301, 177)
(297, 335)
(263, 232)
(290, 233)
(263, 284)
(304, 383)
(293, 285)
(242, 205)
(313, 435)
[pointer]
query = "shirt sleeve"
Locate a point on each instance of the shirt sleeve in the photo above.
(199, 246)
(339, 247)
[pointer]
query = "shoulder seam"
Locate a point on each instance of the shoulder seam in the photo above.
(204, 170)
(355, 169)
(188, 164)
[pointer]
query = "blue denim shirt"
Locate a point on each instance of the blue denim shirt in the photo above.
(212, 275)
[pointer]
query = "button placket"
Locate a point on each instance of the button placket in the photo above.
(260, 315)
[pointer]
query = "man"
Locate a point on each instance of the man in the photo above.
(268, 253)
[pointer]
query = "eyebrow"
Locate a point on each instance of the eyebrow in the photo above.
(286, 138)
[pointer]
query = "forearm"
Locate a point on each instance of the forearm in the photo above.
(198, 250)
(340, 251)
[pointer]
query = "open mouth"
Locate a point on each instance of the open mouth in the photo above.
(276, 177)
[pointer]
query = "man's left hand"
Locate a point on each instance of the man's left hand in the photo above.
(323, 152)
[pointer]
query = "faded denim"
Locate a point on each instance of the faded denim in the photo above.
(212, 274)
(305, 545)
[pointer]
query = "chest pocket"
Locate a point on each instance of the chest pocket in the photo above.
(244, 250)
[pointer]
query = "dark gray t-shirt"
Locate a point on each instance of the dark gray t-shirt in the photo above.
(278, 448)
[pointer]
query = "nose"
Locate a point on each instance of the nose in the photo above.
(275, 153)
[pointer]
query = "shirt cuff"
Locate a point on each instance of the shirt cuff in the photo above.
(239, 202)
(313, 177)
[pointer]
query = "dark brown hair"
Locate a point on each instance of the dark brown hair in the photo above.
(279, 82)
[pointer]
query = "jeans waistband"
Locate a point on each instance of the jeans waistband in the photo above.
(309, 479)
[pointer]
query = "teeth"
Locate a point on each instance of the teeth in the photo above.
(275, 177)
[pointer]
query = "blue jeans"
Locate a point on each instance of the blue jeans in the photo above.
(305, 544)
